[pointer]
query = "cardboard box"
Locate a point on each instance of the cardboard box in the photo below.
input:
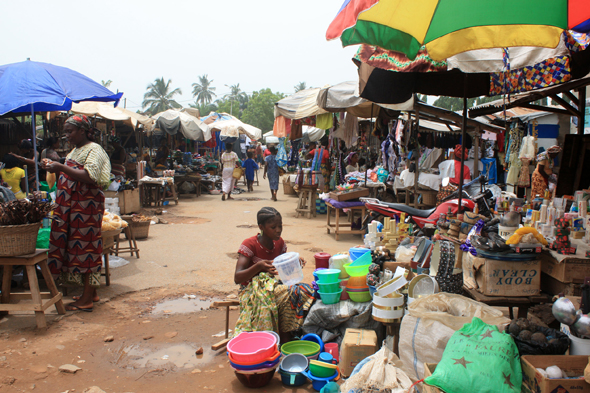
(356, 345)
(555, 287)
(428, 371)
(350, 194)
(394, 265)
(128, 200)
(534, 382)
(502, 278)
(568, 270)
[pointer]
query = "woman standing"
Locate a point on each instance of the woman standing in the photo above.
(272, 169)
(118, 157)
(229, 159)
(52, 144)
(75, 250)
(543, 171)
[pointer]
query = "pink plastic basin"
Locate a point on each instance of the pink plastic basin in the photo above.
(254, 347)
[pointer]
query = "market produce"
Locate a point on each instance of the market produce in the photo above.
(111, 222)
(25, 211)
(537, 340)
(519, 236)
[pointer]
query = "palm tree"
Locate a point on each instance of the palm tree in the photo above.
(106, 84)
(202, 91)
(237, 95)
(300, 86)
(159, 97)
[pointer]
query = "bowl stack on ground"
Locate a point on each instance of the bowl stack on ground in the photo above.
(254, 357)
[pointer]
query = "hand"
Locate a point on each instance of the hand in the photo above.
(302, 262)
(267, 266)
(15, 155)
(51, 166)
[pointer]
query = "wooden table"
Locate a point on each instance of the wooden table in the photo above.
(194, 179)
(337, 226)
(154, 191)
(30, 261)
(523, 303)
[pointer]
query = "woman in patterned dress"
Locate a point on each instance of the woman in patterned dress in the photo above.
(271, 168)
(75, 250)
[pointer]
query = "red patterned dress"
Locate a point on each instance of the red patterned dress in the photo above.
(75, 244)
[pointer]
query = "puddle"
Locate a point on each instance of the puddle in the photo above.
(247, 226)
(182, 305)
(182, 356)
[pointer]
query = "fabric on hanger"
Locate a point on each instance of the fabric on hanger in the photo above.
(296, 130)
(324, 121)
(281, 127)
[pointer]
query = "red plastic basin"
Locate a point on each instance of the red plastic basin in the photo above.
(253, 347)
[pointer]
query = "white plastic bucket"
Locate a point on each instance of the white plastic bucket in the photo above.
(506, 232)
(337, 262)
(289, 268)
(578, 346)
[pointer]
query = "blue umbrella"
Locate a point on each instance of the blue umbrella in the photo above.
(31, 86)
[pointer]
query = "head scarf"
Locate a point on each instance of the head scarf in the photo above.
(80, 121)
(460, 150)
(544, 155)
(349, 157)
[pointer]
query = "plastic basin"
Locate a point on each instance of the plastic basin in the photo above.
(272, 358)
(314, 338)
(294, 363)
(356, 252)
(329, 276)
(331, 387)
(331, 287)
(292, 379)
(321, 369)
(354, 271)
(306, 348)
(289, 268)
(357, 282)
(258, 366)
(317, 382)
(252, 347)
(364, 259)
(330, 298)
(360, 297)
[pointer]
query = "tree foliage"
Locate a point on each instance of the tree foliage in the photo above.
(204, 109)
(227, 105)
(106, 84)
(260, 109)
(238, 100)
(159, 97)
(202, 91)
(300, 86)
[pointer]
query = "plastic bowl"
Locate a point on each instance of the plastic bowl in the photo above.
(306, 348)
(294, 363)
(321, 369)
(364, 259)
(258, 366)
(292, 379)
(356, 252)
(256, 379)
(356, 270)
(329, 288)
(252, 347)
(272, 358)
(328, 276)
(357, 282)
(314, 338)
(317, 382)
(358, 289)
(360, 297)
(330, 298)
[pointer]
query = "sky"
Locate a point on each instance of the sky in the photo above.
(258, 43)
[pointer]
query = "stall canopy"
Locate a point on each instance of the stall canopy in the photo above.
(310, 134)
(230, 126)
(300, 105)
(173, 121)
(107, 111)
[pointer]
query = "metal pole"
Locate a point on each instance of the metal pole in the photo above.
(463, 132)
(35, 147)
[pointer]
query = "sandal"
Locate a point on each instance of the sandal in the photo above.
(94, 300)
(71, 307)
(223, 197)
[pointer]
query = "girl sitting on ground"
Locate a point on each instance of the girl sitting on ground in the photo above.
(266, 304)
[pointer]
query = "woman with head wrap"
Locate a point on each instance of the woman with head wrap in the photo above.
(118, 157)
(460, 151)
(352, 162)
(543, 171)
(75, 244)
(265, 304)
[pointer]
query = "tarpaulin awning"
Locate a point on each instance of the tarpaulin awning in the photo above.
(173, 121)
(300, 105)
(107, 111)
(230, 126)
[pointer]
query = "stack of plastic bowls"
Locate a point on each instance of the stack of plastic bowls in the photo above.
(289, 268)
(329, 285)
(357, 287)
(254, 357)
(292, 369)
(356, 252)
(324, 368)
(309, 349)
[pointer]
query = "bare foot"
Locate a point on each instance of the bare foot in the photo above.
(94, 299)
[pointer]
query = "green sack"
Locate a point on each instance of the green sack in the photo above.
(43, 238)
(478, 358)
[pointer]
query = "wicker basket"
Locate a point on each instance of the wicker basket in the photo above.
(429, 199)
(18, 240)
(140, 230)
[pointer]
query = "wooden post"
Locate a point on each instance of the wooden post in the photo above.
(416, 159)
(476, 156)
(581, 109)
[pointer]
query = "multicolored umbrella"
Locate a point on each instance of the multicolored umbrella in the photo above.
(449, 27)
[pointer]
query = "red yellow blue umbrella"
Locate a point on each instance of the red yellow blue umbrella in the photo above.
(449, 27)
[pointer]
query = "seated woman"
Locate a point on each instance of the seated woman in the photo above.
(352, 162)
(13, 176)
(265, 304)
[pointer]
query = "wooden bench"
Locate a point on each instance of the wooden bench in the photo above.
(227, 304)
(338, 226)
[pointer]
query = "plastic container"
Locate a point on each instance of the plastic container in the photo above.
(314, 338)
(356, 252)
(391, 286)
(272, 358)
(329, 288)
(315, 273)
(365, 259)
(360, 297)
(578, 346)
(321, 369)
(292, 379)
(258, 366)
(328, 276)
(506, 232)
(372, 290)
(332, 349)
(289, 268)
(326, 358)
(344, 295)
(330, 298)
(330, 387)
(322, 260)
(357, 282)
(252, 347)
(337, 262)
(306, 348)
(294, 363)
(317, 382)
(357, 270)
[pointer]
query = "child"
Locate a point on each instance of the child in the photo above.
(263, 301)
(272, 169)
(250, 166)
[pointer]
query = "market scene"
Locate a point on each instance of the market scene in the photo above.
(404, 209)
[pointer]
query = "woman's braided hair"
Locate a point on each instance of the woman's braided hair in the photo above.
(265, 214)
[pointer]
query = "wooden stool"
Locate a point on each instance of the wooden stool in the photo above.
(39, 257)
(130, 238)
(306, 203)
(338, 226)
(227, 304)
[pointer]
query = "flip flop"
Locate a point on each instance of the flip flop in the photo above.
(76, 308)
(223, 197)
(78, 298)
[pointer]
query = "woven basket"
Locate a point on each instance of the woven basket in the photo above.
(18, 240)
(140, 230)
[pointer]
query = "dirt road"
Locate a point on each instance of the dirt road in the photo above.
(155, 330)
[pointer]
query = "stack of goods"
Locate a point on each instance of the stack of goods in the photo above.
(537, 340)
(254, 357)
(111, 205)
(329, 285)
(112, 222)
(293, 368)
(574, 323)
(562, 242)
(394, 232)
(357, 287)
(458, 228)
(373, 237)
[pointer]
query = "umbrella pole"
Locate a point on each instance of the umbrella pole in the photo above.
(35, 147)
(463, 132)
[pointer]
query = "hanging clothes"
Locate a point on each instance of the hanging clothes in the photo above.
(294, 154)
(296, 130)
(526, 154)
(281, 127)
(324, 121)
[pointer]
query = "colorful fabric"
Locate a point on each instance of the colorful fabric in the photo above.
(12, 177)
(539, 183)
(258, 307)
(396, 61)
(524, 178)
(294, 302)
(281, 153)
(75, 244)
(94, 160)
(460, 151)
(449, 27)
(80, 121)
(118, 169)
(272, 172)
(324, 121)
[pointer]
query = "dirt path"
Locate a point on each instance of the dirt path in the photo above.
(194, 254)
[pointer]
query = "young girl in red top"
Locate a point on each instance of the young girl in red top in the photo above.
(264, 302)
